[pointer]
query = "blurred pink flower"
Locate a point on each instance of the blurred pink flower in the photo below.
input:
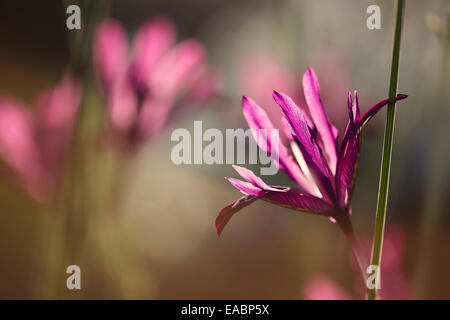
(144, 83)
(34, 144)
(394, 284)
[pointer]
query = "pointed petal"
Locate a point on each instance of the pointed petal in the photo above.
(110, 51)
(372, 111)
(226, 213)
(246, 188)
(249, 176)
(347, 166)
(350, 107)
(312, 95)
(151, 42)
(355, 107)
(300, 128)
(258, 121)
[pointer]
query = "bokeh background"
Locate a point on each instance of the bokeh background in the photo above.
(155, 238)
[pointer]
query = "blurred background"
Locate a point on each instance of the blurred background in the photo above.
(142, 227)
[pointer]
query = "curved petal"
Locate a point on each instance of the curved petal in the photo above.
(226, 213)
(312, 95)
(372, 111)
(292, 199)
(259, 122)
(110, 51)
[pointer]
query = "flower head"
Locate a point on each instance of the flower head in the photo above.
(324, 172)
(144, 83)
(34, 145)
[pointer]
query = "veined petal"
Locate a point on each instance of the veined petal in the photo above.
(259, 122)
(310, 150)
(372, 111)
(312, 95)
(110, 51)
(296, 200)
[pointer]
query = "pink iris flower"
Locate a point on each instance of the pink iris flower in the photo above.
(143, 83)
(324, 172)
(34, 144)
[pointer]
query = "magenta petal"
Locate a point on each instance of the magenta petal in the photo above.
(110, 51)
(151, 42)
(312, 95)
(246, 188)
(302, 132)
(355, 107)
(258, 120)
(347, 166)
(294, 199)
(226, 213)
(373, 110)
(249, 176)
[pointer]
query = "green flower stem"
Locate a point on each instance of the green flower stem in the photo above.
(387, 150)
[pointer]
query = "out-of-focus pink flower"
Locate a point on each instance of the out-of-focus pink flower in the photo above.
(143, 84)
(34, 145)
(394, 284)
(320, 287)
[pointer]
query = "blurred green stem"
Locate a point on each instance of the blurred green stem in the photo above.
(387, 150)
